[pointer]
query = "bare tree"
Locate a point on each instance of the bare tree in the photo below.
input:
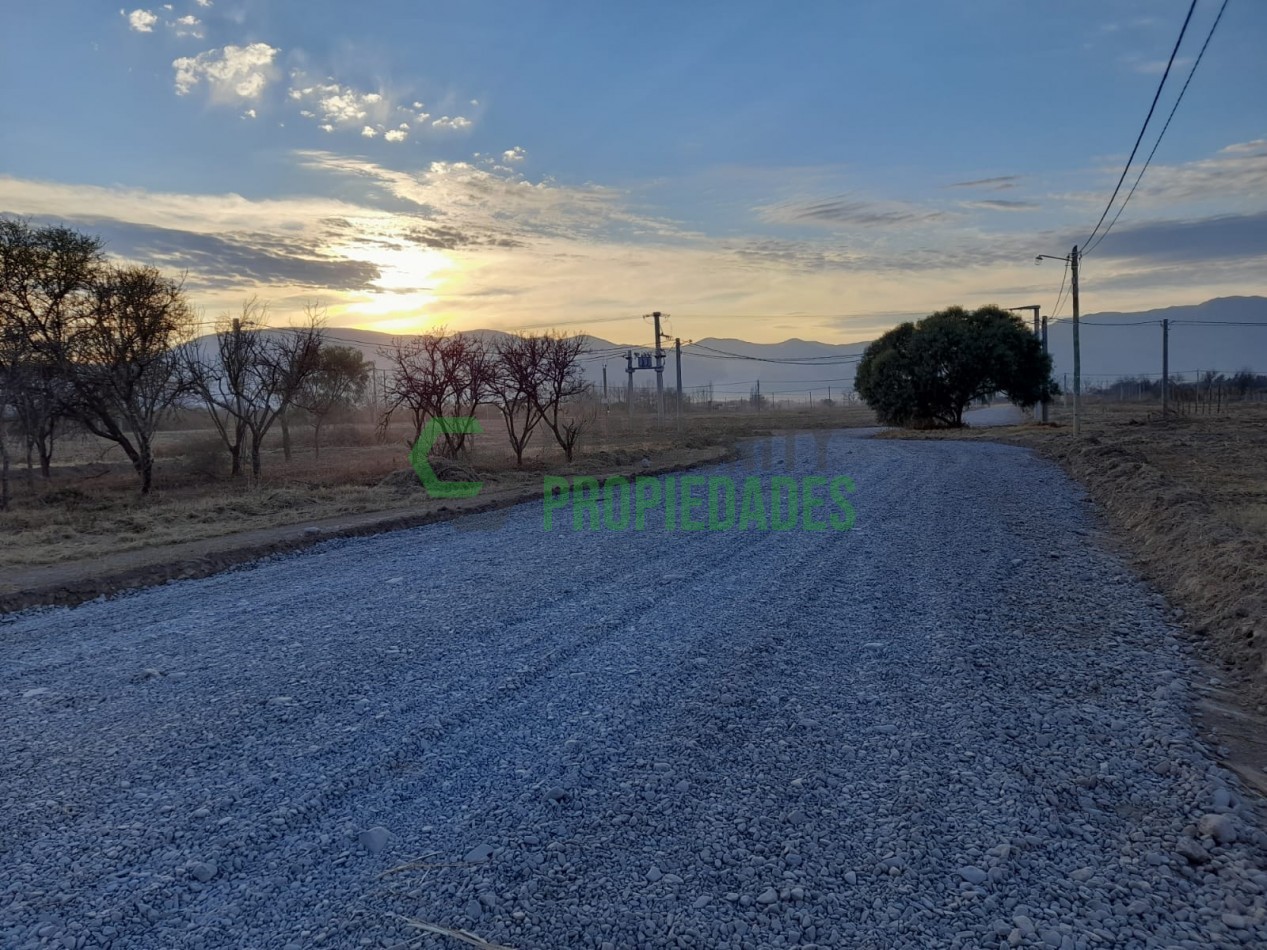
(121, 361)
(104, 333)
(253, 378)
(580, 413)
(411, 384)
(438, 374)
(220, 379)
(1242, 382)
(338, 382)
(12, 345)
(38, 399)
(517, 379)
(45, 275)
(561, 381)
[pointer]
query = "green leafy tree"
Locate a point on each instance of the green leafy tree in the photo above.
(338, 383)
(925, 374)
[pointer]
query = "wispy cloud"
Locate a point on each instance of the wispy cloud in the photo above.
(231, 74)
(998, 183)
(456, 122)
(844, 211)
(998, 204)
(1235, 174)
(1153, 67)
(337, 105)
(1224, 237)
(189, 26)
(477, 243)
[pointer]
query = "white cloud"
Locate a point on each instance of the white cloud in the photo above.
(496, 250)
(396, 135)
(249, 114)
(142, 21)
(1154, 67)
(369, 132)
(515, 154)
(203, 3)
(341, 106)
(188, 26)
(233, 73)
(1233, 177)
(457, 122)
(845, 211)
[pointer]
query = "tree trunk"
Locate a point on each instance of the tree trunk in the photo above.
(235, 456)
(316, 438)
(285, 436)
(255, 458)
(46, 459)
(145, 466)
(30, 465)
(4, 473)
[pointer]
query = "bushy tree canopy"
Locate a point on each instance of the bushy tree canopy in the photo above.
(927, 373)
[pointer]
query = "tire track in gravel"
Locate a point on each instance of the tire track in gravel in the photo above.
(736, 714)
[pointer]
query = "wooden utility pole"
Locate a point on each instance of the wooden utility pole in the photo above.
(630, 370)
(659, 368)
(677, 352)
(1077, 350)
(604, 384)
(1165, 367)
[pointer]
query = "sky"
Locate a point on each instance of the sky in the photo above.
(759, 170)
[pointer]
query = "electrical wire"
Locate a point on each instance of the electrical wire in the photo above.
(827, 360)
(1144, 128)
(1191, 72)
(1060, 296)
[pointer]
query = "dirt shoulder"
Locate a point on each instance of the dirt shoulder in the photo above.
(1187, 499)
(79, 580)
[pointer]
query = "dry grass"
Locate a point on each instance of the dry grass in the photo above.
(90, 509)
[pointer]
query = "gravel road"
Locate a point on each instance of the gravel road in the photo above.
(959, 724)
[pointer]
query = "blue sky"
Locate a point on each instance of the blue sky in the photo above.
(760, 170)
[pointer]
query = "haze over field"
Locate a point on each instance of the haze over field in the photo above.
(1114, 345)
(757, 170)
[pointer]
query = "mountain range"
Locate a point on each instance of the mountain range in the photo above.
(1224, 334)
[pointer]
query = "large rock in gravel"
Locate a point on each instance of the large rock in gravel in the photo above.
(1219, 827)
(374, 839)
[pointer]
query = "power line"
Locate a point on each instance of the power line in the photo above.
(1218, 323)
(1162, 134)
(1060, 296)
(1096, 323)
(826, 360)
(1144, 128)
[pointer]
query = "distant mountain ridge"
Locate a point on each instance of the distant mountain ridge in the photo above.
(1113, 343)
